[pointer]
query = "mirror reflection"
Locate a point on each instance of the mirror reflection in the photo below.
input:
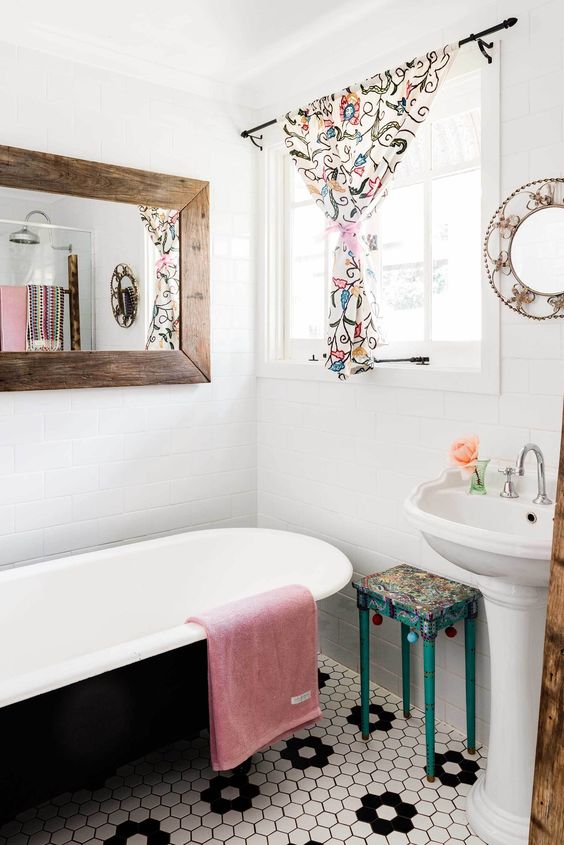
(537, 251)
(85, 274)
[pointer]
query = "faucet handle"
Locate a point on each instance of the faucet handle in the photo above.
(509, 491)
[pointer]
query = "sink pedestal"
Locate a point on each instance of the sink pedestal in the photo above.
(506, 545)
(498, 805)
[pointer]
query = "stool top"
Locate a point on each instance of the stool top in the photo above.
(426, 594)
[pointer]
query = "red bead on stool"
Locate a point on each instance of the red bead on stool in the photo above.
(451, 631)
(377, 619)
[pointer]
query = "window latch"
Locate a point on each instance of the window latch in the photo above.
(421, 360)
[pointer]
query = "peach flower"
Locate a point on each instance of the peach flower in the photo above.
(463, 454)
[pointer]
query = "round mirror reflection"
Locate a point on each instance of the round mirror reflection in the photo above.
(537, 251)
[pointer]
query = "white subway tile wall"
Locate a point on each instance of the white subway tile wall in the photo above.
(336, 460)
(82, 468)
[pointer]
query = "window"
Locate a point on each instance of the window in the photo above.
(428, 231)
(424, 239)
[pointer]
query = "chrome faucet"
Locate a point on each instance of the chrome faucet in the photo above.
(541, 498)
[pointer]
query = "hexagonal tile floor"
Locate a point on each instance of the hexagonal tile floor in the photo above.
(321, 787)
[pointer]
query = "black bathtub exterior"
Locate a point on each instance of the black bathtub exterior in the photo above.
(76, 736)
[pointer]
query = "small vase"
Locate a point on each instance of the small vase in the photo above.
(478, 480)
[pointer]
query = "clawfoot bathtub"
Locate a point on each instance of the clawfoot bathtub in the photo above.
(97, 665)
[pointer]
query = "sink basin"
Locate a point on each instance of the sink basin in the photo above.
(505, 547)
(486, 535)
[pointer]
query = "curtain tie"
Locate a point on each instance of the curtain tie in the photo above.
(348, 233)
(164, 261)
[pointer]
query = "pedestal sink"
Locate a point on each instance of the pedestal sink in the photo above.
(506, 546)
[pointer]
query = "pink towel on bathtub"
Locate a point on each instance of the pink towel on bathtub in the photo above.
(13, 318)
(262, 671)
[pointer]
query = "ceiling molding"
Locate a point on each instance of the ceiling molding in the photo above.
(247, 55)
(94, 53)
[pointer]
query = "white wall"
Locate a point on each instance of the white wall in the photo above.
(81, 468)
(118, 237)
(336, 460)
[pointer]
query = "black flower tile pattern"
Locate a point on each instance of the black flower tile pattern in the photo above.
(239, 789)
(324, 786)
(383, 722)
(308, 752)
(453, 768)
(386, 812)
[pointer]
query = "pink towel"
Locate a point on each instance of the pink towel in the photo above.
(13, 318)
(262, 671)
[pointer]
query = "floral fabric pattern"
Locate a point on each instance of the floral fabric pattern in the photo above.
(346, 147)
(163, 227)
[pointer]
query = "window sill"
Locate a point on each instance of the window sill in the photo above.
(429, 377)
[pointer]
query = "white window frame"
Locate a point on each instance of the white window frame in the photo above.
(296, 350)
(272, 294)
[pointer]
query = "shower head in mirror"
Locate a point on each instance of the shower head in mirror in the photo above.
(26, 236)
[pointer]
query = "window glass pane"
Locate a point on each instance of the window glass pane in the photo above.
(456, 257)
(307, 273)
(456, 139)
(401, 287)
(300, 191)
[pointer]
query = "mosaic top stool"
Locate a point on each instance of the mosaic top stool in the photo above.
(424, 604)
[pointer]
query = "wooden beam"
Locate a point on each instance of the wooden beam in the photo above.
(37, 171)
(547, 815)
(59, 370)
(195, 271)
(74, 302)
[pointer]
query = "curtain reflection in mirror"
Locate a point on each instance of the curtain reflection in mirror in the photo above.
(163, 227)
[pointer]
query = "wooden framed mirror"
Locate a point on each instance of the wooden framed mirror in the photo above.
(173, 346)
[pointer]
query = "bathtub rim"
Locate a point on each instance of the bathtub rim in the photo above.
(125, 653)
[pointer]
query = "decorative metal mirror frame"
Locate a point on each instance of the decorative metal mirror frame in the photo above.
(512, 213)
(123, 271)
(37, 171)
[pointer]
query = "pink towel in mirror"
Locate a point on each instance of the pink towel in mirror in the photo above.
(13, 318)
(262, 671)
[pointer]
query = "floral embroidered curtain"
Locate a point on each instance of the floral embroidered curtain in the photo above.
(163, 227)
(346, 147)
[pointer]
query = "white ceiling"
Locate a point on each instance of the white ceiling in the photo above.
(258, 52)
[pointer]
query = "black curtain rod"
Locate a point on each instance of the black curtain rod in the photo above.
(478, 36)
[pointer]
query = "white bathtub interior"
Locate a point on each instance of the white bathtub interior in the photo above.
(74, 617)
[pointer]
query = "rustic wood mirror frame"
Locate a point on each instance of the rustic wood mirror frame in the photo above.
(38, 171)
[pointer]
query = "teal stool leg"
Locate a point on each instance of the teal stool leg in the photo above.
(405, 670)
(429, 678)
(470, 654)
(364, 626)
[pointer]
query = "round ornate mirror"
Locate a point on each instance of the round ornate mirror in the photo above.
(524, 250)
(124, 295)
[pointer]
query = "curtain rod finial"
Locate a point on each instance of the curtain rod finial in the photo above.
(510, 22)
